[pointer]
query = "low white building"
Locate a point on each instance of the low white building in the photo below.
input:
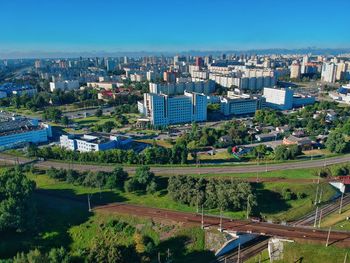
(18, 131)
(93, 143)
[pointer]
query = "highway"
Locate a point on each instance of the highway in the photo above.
(287, 232)
(185, 170)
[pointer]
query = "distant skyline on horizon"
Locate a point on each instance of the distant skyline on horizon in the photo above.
(38, 27)
(101, 53)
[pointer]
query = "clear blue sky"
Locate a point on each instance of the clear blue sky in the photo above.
(165, 25)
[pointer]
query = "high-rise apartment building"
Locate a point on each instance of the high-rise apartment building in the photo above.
(328, 73)
(295, 70)
(163, 110)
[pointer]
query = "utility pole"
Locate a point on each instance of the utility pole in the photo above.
(341, 202)
(89, 204)
(202, 218)
(257, 172)
(329, 233)
(316, 194)
(248, 206)
(319, 221)
(220, 220)
(346, 256)
(315, 222)
(239, 253)
(320, 199)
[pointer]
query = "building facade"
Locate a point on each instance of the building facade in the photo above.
(280, 99)
(163, 110)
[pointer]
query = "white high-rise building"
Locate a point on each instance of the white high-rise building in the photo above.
(295, 70)
(328, 73)
(281, 99)
(305, 62)
(163, 110)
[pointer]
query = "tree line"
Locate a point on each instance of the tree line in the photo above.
(151, 155)
(211, 193)
(143, 180)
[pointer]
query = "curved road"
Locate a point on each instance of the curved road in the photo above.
(178, 170)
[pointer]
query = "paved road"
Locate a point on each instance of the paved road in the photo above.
(176, 170)
(289, 232)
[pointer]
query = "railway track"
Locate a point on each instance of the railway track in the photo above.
(324, 210)
(246, 251)
(261, 228)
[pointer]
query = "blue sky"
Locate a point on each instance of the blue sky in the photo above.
(177, 25)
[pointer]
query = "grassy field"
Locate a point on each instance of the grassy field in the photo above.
(23, 111)
(283, 174)
(282, 210)
(296, 252)
(161, 143)
(63, 222)
(279, 210)
(338, 221)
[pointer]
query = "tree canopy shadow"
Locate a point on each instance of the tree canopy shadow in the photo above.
(268, 201)
(56, 212)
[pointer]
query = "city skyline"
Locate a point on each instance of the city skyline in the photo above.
(106, 26)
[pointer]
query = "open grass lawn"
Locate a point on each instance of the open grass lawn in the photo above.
(93, 120)
(338, 221)
(272, 206)
(296, 252)
(283, 174)
(161, 143)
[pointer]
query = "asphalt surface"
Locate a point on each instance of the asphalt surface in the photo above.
(338, 238)
(178, 170)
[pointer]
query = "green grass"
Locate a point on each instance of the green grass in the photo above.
(282, 174)
(296, 252)
(338, 221)
(55, 217)
(279, 210)
(93, 120)
(64, 220)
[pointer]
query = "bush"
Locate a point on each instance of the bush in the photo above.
(288, 195)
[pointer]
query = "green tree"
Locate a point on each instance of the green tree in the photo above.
(98, 113)
(336, 142)
(53, 114)
(65, 120)
(117, 178)
(16, 205)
